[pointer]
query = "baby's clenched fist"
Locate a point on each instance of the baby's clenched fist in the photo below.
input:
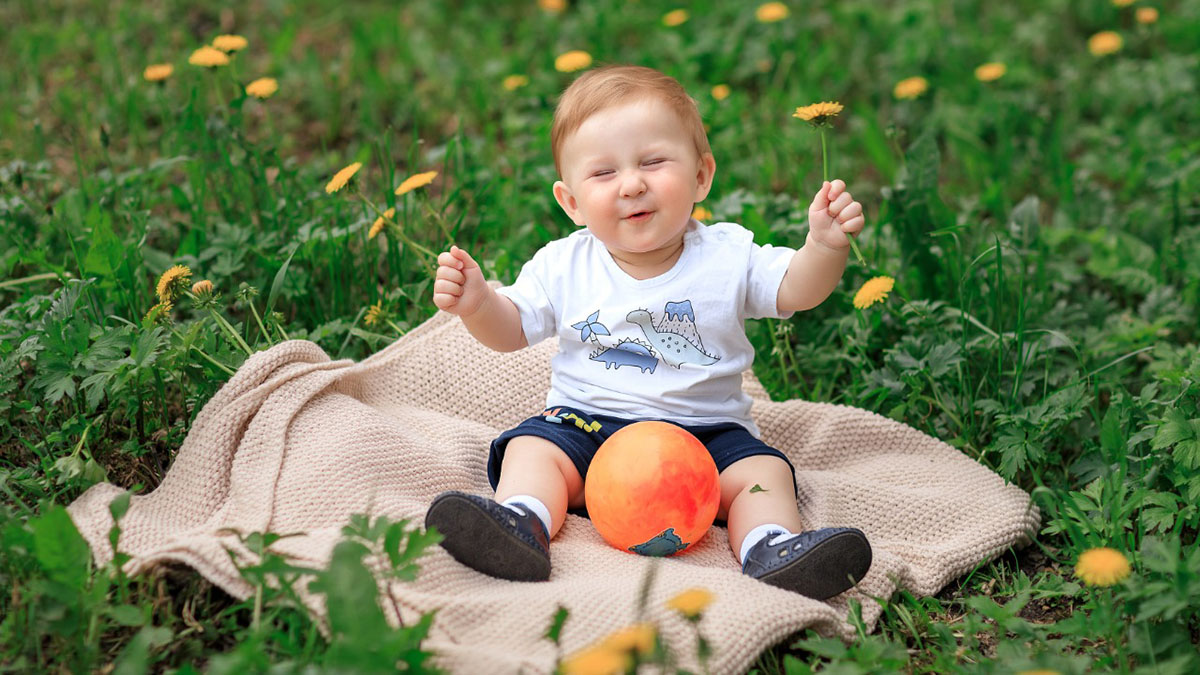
(459, 286)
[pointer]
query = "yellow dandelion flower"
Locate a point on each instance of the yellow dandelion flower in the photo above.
(203, 287)
(374, 314)
(1146, 15)
(910, 87)
(720, 92)
(416, 181)
(514, 82)
(553, 6)
(342, 177)
(675, 17)
(158, 72)
(159, 313)
(1105, 42)
(1102, 566)
(770, 12)
(263, 87)
(171, 282)
(597, 660)
(1122, 3)
(208, 57)
(818, 114)
(380, 222)
(230, 43)
(990, 72)
(691, 602)
(638, 637)
(873, 291)
(569, 62)
(700, 213)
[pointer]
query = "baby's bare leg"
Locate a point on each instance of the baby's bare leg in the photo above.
(744, 510)
(534, 466)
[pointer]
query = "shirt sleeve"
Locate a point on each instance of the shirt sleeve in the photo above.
(529, 293)
(764, 274)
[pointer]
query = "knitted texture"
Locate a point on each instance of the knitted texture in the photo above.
(296, 443)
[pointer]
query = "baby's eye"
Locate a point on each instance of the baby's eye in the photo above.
(654, 161)
(603, 172)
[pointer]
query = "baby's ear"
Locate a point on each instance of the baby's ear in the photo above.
(706, 169)
(570, 206)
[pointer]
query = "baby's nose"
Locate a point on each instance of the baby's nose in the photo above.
(633, 186)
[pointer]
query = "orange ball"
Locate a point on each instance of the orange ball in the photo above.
(652, 488)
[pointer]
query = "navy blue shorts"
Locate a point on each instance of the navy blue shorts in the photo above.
(580, 435)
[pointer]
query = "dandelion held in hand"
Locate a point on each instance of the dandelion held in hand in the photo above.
(341, 178)
(873, 291)
(172, 282)
(820, 116)
(1102, 566)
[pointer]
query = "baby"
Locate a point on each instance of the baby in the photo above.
(649, 307)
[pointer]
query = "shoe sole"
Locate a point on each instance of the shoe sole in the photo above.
(475, 539)
(827, 569)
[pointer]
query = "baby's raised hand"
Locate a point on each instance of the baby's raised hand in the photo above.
(834, 216)
(459, 287)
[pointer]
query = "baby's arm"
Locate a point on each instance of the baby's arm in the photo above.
(817, 267)
(459, 288)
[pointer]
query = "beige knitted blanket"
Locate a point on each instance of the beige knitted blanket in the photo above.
(296, 443)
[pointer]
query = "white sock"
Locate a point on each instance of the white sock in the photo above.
(524, 503)
(761, 532)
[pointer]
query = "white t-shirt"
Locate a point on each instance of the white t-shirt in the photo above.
(671, 347)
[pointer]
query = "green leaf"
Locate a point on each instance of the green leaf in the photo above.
(1182, 433)
(554, 631)
(126, 615)
(757, 488)
(277, 283)
(59, 548)
(105, 252)
(135, 658)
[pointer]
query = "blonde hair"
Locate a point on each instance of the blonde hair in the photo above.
(614, 85)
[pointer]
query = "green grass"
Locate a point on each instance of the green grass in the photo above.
(1043, 231)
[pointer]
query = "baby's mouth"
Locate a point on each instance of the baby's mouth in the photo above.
(639, 216)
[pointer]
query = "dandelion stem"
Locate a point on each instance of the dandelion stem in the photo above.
(261, 328)
(201, 352)
(824, 158)
(224, 325)
(399, 330)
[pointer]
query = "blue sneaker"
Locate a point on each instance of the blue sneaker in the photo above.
(818, 564)
(491, 538)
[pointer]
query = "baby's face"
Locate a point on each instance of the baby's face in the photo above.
(631, 174)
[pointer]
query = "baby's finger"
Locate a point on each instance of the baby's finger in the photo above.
(840, 203)
(447, 258)
(444, 300)
(854, 225)
(465, 258)
(836, 188)
(854, 209)
(447, 287)
(450, 274)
